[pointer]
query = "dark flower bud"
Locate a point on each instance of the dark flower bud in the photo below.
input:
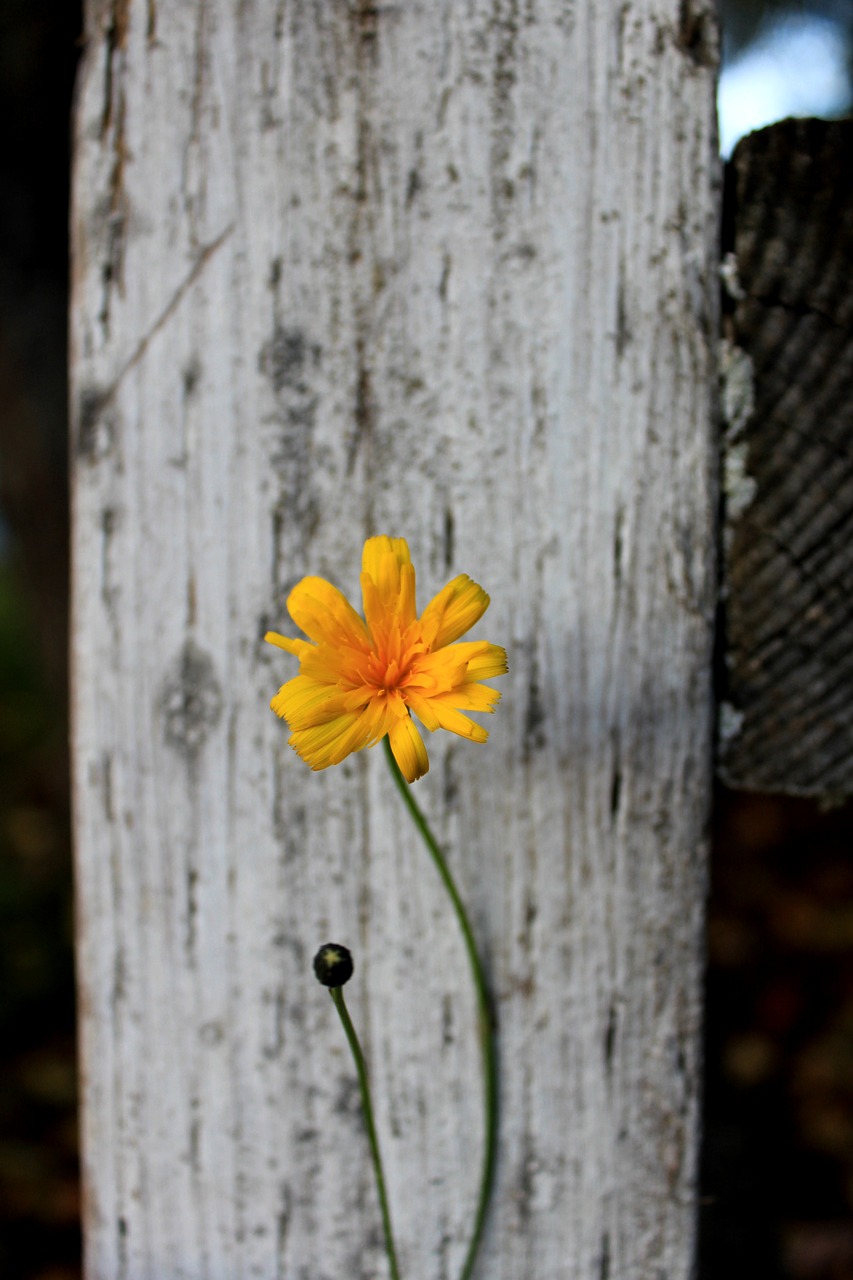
(333, 965)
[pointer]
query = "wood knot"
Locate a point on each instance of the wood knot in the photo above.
(95, 426)
(696, 33)
(191, 701)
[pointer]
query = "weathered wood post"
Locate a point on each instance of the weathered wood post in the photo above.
(787, 404)
(444, 271)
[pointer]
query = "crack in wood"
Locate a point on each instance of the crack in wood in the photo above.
(94, 400)
(504, 74)
(604, 1257)
(116, 41)
(113, 120)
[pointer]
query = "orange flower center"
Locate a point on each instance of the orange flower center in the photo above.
(392, 675)
(389, 667)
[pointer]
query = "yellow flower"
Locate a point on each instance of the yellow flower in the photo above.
(360, 679)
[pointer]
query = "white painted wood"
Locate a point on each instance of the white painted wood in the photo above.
(443, 270)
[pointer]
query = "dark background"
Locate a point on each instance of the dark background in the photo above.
(777, 1173)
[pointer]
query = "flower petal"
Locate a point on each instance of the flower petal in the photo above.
(374, 611)
(431, 710)
(326, 616)
(471, 697)
(388, 594)
(331, 740)
(455, 665)
(330, 743)
(304, 702)
(453, 611)
(375, 549)
(330, 665)
(409, 750)
(422, 707)
(451, 719)
(491, 661)
(296, 647)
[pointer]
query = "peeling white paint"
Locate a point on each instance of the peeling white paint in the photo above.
(730, 278)
(730, 723)
(739, 486)
(737, 388)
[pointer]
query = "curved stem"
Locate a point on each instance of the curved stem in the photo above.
(337, 995)
(488, 1045)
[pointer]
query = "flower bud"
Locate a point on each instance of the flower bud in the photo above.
(333, 965)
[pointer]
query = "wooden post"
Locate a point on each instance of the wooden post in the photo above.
(448, 272)
(787, 390)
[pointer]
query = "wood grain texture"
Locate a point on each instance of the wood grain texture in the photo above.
(445, 271)
(788, 564)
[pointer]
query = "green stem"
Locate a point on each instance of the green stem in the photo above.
(337, 995)
(488, 1045)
